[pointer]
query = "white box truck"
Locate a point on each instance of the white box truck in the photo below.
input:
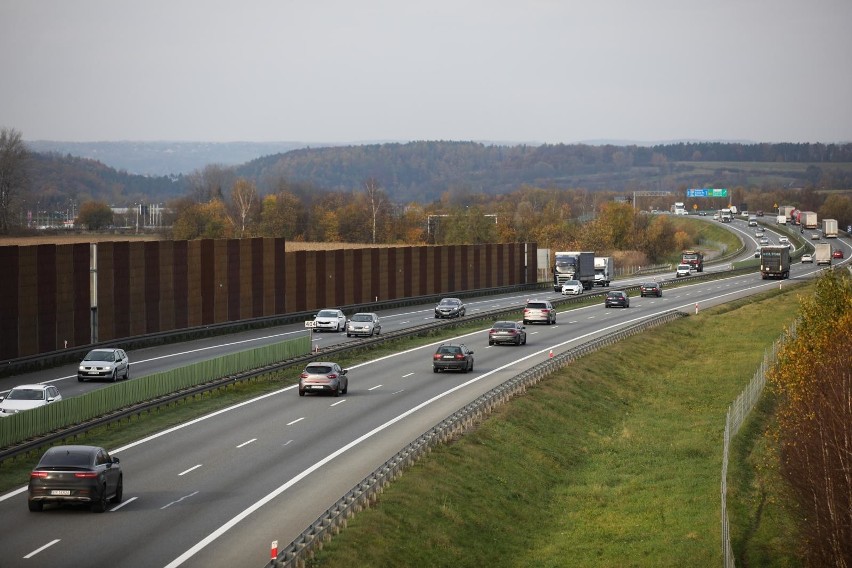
(829, 228)
(822, 253)
(809, 220)
(604, 269)
(781, 220)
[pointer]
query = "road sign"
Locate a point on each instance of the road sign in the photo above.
(310, 323)
(707, 192)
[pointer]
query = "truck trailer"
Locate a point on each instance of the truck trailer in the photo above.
(829, 228)
(604, 269)
(808, 220)
(573, 266)
(774, 261)
(822, 254)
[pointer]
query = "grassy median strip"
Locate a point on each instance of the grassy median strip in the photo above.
(614, 462)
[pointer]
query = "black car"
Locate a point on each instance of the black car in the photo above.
(452, 357)
(450, 308)
(651, 289)
(617, 298)
(76, 474)
(507, 332)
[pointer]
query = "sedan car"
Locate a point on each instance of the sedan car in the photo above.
(807, 258)
(838, 253)
(330, 320)
(26, 397)
(325, 377)
(363, 323)
(507, 332)
(764, 240)
(815, 236)
(783, 240)
(450, 308)
(683, 270)
(540, 311)
(109, 364)
(452, 357)
(572, 287)
(651, 289)
(617, 298)
(76, 474)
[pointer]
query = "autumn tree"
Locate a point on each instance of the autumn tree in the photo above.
(282, 215)
(95, 215)
(14, 178)
(212, 182)
(813, 381)
(202, 221)
(376, 200)
(244, 205)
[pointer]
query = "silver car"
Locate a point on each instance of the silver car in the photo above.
(450, 308)
(540, 311)
(109, 364)
(364, 323)
(330, 320)
(323, 376)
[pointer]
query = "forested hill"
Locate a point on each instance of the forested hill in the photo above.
(422, 171)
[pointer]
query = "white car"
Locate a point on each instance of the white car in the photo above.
(330, 320)
(683, 270)
(807, 258)
(572, 287)
(26, 397)
(783, 240)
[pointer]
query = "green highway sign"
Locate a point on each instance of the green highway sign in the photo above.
(707, 192)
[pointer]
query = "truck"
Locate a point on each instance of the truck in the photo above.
(573, 266)
(787, 211)
(774, 261)
(829, 228)
(604, 269)
(679, 208)
(725, 215)
(694, 258)
(781, 219)
(822, 254)
(808, 220)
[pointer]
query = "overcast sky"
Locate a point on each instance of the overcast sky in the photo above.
(344, 71)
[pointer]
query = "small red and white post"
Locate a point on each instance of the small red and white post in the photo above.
(273, 550)
(696, 308)
(551, 354)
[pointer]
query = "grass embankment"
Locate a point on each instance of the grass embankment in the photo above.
(615, 461)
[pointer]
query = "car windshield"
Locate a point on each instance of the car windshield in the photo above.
(362, 317)
(100, 355)
(327, 314)
(26, 394)
(318, 369)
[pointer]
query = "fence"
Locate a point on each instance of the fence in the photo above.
(365, 493)
(737, 414)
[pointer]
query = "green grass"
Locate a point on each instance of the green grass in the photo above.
(615, 461)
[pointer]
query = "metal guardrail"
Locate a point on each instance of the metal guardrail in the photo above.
(365, 493)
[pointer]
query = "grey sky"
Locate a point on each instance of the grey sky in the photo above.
(509, 71)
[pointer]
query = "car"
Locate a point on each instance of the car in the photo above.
(838, 253)
(752, 222)
(715, 216)
(759, 233)
(450, 308)
(572, 287)
(764, 240)
(757, 253)
(507, 332)
(76, 474)
(683, 270)
(702, 213)
(323, 377)
(330, 320)
(363, 323)
(617, 298)
(539, 311)
(815, 236)
(783, 241)
(651, 289)
(452, 357)
(760, 212)
(26, 397)
(807, 257)
(104, 363)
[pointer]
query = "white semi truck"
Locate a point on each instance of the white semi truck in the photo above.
(829, 228)
(573, 266)
(822, 254)
(604, 269)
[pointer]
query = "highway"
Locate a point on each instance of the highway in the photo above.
(216, 491)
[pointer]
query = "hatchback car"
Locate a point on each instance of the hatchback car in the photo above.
(683, 270)
(330, 320)
(651, 289)
(815, 236)
(450, 308)
(26, 397)
(325, 377)
(572, 287)
(539, 311)
(507, 332)
(617, 298)
(838, 253)
(76, 474)
(452, 357)
(764, 240)
(807, 258)
(109, 364)
(363, 324)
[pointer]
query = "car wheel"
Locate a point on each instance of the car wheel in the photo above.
(80, 379)
(490, 343)
(100, 504)
(337, 390)
(301, 392)
(114, 375)
(348, 335)
(518, 340)
(346, 388)
(470, 370)
(434, 369)
(526, 322)
(35, 506)
(372, 330)
(119, 491)
(127, 373)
